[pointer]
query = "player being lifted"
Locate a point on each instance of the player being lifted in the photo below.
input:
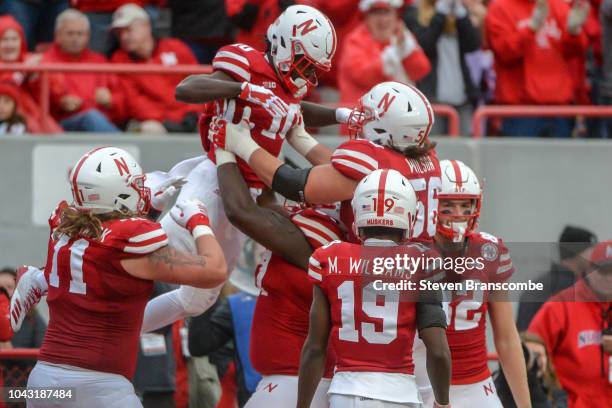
(280, 322)
(103, 257)
(392, 123)
(372, 332)
(456, 236)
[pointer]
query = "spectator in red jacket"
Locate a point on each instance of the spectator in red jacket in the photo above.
(80, 101)
(379, 49)
(532, 42)
(11, 120)
(7, 287)
(13, 50)
(150, 98)
(576, 328)
(345, 16)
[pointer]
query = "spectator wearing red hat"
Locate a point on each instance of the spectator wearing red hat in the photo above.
(532, 42)
(377, 50)
(11, 121)
(576, 329)
(80, 101)
(13, 50)
(149, 99)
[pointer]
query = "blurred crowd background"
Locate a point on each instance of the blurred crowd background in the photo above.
(463, 53)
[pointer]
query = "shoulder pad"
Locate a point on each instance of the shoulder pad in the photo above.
(234, 60)
(319, 228)
(134, 235)
(356, 158)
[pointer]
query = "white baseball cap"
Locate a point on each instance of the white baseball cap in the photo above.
(366, 5)
(127, 14)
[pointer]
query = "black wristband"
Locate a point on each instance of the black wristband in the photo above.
(430, 315)
(290, 182)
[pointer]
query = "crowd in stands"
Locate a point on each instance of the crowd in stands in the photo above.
(463, 53)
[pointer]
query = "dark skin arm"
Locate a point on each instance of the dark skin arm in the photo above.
(438, 361)
(314, 352)
(204, 88)
(316, 115)
(264, 225)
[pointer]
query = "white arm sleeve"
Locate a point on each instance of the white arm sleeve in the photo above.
(178, 304)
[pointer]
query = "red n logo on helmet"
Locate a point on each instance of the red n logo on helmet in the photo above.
(386, 101)
(307, 26)
(122, 166)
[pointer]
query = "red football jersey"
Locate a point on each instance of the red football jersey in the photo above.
(95, 306)
(358, 158)
(372, 330)
(244, 63)
(467, 311)
(280, 322)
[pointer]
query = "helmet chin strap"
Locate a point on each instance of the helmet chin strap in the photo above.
(458, 229)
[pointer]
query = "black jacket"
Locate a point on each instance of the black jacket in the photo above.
(212, 334)
(199, 19)
(428, 36)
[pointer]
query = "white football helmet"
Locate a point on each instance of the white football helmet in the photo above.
(385, 198)
(109, 179)
(302, 40)
(392, 114)
(459, 182)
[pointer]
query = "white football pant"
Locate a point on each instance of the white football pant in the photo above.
(201, 175)
(280, 391)
(481, 394)
(91, 389)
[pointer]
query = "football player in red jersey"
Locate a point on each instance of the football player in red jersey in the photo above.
(456, 236)
(103, 257)
(395, 121)
(280, 322)
(372, 330)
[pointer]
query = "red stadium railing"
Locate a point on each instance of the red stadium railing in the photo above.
(45, 69)
(451, 114)
(15, 367)
(509, 111)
